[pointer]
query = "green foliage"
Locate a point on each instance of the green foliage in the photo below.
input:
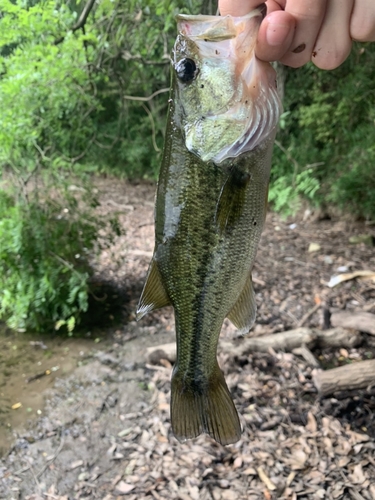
(326, 142)
(286, 192)
(73, 91)
(46, 247)
(133, 52)
(94, 98)
(354, 190)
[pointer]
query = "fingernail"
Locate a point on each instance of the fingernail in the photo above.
(277, 33)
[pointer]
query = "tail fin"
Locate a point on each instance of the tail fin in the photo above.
(198, 408)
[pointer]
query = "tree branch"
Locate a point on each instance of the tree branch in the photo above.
(145, 99)
(81, 21)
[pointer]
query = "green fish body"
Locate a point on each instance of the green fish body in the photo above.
(210, 209)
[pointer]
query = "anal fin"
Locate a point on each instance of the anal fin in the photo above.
(154, 295)
(244, 310)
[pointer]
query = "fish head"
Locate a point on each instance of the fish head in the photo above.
(225, 99)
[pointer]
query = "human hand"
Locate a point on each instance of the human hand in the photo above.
(297, 31)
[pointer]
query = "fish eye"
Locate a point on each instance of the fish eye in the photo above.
(186, 70)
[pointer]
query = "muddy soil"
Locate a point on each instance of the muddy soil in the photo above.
(102, 429)
(28, 366)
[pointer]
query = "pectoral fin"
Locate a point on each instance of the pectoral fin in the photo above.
(231, 201)
(243, 312)
(154, 295)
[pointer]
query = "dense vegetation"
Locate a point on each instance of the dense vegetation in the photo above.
(83, 88)
(326, 146)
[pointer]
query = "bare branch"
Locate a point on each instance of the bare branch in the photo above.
(81, 21)
(145, 99)
(152, 127)
(127, 56)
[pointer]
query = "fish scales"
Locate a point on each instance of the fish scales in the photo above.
(210, 210)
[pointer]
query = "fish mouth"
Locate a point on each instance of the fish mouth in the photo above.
(254, 108)
(217, 28)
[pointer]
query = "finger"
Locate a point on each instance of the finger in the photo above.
(276, 31)
(238, 7)
(362, 22)
(333, 43)
(275, 36)
(309, 16)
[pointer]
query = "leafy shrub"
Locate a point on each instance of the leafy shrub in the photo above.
(45, 252)
(326, 137)
(285, 193)
(354, 190)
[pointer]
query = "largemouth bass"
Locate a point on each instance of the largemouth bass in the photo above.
(210, 208)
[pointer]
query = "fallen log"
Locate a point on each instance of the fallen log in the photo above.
(284, 341)
(358, 375)
(362, 321)
(338, 337)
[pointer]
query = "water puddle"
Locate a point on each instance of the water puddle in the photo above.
(29, 365)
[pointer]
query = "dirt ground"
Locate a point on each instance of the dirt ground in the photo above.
(104, 432)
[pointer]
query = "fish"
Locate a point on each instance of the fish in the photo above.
(210, 208)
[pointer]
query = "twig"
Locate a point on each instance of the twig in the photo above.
(128, 57)
(65, 263)
(265, 479)
(258, 281)
(37, 376)
(354, 494)
(157, 149)
(52, 459)
(35, 476)
(81, 21)
(307, 355)
(370, 306)
(145, 99)
(290, 158)
(98, 299)
(81, 155)
(304, 318)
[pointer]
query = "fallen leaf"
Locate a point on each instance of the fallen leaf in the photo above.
(111, 449)
(357, 475)
(75, 464)
(124, 488)
(311, 425)
(250, 471)
(313, 247)
(340, 278)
